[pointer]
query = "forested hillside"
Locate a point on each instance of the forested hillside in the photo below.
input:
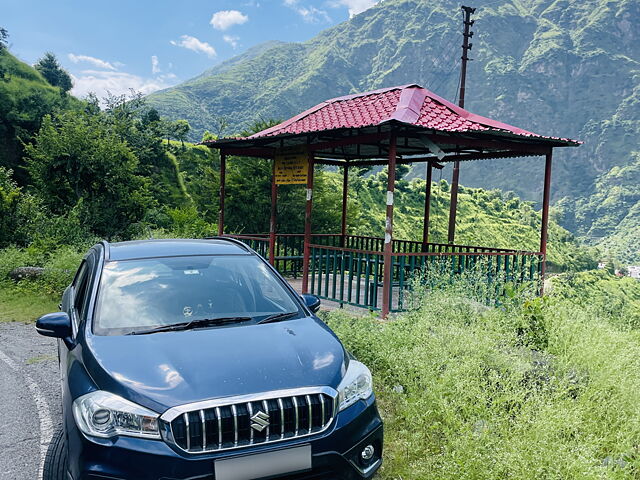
(86, 173)
(25, 98)
(569, 68)
(79, 172)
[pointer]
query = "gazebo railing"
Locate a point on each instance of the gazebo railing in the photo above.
(288, 248)
(355, 277)
(353, 274)
(291, 244)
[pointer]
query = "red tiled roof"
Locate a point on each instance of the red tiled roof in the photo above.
(409, 104)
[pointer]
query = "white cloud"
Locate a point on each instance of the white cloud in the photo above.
(231, 40)
(225, 19)
(309, 14)
(155, 65)
(355, 6)
(192, 43)
(96, 62)
(100, 82)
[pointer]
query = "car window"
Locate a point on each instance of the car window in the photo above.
(80, 286)
(141, 294)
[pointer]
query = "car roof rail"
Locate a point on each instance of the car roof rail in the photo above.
(106, 248)
(231, 240)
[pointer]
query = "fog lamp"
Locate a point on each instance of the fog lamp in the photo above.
(367, 453)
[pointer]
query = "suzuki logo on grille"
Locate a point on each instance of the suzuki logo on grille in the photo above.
(260, 421)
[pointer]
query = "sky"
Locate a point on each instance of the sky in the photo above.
(149, 45)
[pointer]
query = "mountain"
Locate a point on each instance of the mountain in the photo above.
(559, 67)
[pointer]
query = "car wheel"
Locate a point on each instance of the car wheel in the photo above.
(55, 461)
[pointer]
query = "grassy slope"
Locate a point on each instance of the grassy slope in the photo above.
(15, 306)
(25, 96)
(531, 390)
(619, 297)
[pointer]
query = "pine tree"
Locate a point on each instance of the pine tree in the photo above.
(51, 70)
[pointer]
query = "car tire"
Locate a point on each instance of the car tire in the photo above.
(56, 459)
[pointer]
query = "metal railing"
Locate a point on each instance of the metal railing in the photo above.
(349, 270)
(289, 248)
(355, 277)
(291, 244)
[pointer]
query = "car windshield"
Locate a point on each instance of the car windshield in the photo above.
(138, 295)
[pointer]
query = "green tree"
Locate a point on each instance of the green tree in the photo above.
(9, 197)
(151, 116)
(401, 171)
(181, 130)
(256, 126)
(4, 35)
(79, 159)
(167, 130)
(207, 135)
(51, 70)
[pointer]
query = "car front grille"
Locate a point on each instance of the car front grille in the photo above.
(237, 422)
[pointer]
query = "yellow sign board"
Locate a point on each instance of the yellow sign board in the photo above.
(291, 167)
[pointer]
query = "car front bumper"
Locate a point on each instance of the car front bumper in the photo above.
(335, 453)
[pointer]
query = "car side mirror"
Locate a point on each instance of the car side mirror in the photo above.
(311, 301)
(57, 325)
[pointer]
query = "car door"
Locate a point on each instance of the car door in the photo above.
(75, 303)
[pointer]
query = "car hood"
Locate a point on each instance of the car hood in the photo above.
(162, 370)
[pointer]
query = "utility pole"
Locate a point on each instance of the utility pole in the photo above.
(466, 46)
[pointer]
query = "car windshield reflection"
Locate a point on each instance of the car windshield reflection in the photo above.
(147, 294)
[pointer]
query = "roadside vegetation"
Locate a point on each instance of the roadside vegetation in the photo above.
(24, 306)
(535, 388)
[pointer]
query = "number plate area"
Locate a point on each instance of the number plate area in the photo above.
(261, 465)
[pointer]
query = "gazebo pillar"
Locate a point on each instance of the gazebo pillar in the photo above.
(545, 215)
(427, 207)
(453, 205)
(307, 225)
(223, 179)
(274, 212)
(388, 230)
(345, 191)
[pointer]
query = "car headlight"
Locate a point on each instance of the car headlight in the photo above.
(355, 385)
(103, 414)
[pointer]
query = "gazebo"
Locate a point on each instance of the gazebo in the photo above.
(398, 125)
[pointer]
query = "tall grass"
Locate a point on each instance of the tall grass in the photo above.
(531, 389)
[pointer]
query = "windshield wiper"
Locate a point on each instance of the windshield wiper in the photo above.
(199, 323)
(276, 317)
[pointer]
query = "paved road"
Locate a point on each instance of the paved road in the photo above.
(29, 399)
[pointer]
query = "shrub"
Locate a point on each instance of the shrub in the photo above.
(60, 269)
(59, 266)
(186, 222)
(529, 389)
(13, 257)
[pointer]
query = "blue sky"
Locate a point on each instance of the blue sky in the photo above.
(148, 45)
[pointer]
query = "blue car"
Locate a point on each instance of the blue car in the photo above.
(195, 359)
